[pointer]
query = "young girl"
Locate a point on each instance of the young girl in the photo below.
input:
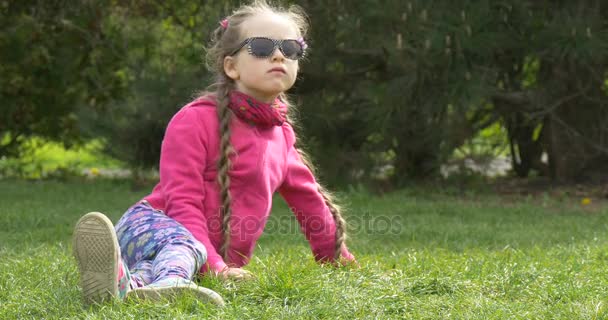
(222, 158)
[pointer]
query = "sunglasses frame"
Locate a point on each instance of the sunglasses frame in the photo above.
(276, 44)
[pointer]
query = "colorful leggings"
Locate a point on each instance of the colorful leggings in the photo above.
(154, 246)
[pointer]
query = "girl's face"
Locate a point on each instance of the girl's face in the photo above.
(264, 78)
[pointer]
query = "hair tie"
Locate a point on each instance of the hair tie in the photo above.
(302, 43)
(224, 24)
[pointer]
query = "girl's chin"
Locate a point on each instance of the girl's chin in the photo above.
(267, 92)
(265, 96)
(274, 92)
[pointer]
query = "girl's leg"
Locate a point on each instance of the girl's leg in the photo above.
(181, 257)
(160, 250)
(173, 268)
(146, 234)
(103, 274)
(141, 274)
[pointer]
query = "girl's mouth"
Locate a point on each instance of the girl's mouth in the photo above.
(278, 69)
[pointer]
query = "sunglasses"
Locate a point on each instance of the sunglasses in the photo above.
(262, 47)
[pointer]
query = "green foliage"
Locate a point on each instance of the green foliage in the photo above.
(531, 66)
(40, 159)
(165, 67)
(58, 57)
(423, 78)
(489, 143)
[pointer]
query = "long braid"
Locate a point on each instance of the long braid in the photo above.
(330, 202)
(224, 115)
(334, 208)
(336, 212)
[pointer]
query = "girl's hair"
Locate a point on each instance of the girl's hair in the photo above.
(225, 39)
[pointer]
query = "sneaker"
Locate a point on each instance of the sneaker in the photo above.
(170, 288)
(97, 253)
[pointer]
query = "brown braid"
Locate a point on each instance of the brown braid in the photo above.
(338, 219)
(224, 115)
(334, 208)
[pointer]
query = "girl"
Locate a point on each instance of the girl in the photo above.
(222, 158)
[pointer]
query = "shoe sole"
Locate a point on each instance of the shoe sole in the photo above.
(96, 250)
(170, 293)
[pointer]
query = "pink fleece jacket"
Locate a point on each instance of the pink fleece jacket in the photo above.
(265, 161)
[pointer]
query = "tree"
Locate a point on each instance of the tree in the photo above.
(58, 57)
(389, 90)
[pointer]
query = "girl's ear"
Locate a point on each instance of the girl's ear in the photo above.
(230, 68)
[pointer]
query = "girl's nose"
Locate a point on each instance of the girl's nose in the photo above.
(277, 55)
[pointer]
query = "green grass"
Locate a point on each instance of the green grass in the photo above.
(475, 256)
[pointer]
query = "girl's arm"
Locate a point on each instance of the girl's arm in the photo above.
(182, 162)
(300, 191)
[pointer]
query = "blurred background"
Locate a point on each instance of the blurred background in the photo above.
(392, 93)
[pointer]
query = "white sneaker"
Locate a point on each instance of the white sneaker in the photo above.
(97, 253)
(170, 288)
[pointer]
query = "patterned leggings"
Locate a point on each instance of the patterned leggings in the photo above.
(155, 247)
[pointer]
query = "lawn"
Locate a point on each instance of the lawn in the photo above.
(424, 254)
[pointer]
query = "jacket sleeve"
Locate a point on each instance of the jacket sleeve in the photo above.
(300, 191)
(182, 162)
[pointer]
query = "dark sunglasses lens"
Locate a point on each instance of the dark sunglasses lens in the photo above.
(291, 49)
(261, 47)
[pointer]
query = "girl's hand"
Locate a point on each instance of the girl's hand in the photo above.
(344, 262)
(235, 274)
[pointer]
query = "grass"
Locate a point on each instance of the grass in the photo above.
(424, 254)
